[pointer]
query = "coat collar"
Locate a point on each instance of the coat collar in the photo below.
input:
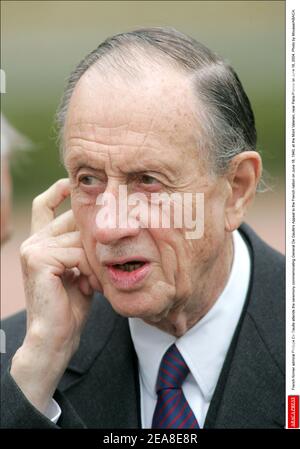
(101, 382)
(95, 335)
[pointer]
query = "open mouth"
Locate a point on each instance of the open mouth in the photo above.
(129, 266)
(128, 274)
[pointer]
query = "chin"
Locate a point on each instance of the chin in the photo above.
(137, 304)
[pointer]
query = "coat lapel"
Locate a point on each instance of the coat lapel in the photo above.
(250, 391)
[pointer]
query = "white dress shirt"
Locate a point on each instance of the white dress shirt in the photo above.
(203, 347)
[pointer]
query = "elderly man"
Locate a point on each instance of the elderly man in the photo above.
(137, 325)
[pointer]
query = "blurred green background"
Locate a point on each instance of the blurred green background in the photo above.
(41, 41)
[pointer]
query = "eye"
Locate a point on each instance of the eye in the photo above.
(147, 179)
(88, 180)
(147, 182)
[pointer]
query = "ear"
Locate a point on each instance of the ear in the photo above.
(243, 176)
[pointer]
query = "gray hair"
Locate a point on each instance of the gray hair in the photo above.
(229, 120)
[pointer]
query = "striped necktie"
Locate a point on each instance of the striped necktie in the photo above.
(172, 409)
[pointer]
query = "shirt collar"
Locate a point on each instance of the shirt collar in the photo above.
(205, 345)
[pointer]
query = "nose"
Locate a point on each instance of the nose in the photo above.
(111, 222)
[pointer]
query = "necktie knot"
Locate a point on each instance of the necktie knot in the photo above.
(173, 370)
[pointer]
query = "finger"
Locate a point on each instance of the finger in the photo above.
(63, 224)
(71, 275)
(44, 205)
(95, 283)
(66, 240)
(61, 259)
(85, 286)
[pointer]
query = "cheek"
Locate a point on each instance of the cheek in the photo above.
(185, 262)
(83, 213)
(85, 220)
(214, 228)
(177, 256)
(214, 209)
(208, 247)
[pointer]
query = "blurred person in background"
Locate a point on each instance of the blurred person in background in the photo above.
(11, 140)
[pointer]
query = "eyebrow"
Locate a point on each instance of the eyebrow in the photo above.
(78, 164)
(74, 165)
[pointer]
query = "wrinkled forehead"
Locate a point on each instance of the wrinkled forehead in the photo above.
(160, 104)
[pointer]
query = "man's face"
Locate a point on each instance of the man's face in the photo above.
(142, 135)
